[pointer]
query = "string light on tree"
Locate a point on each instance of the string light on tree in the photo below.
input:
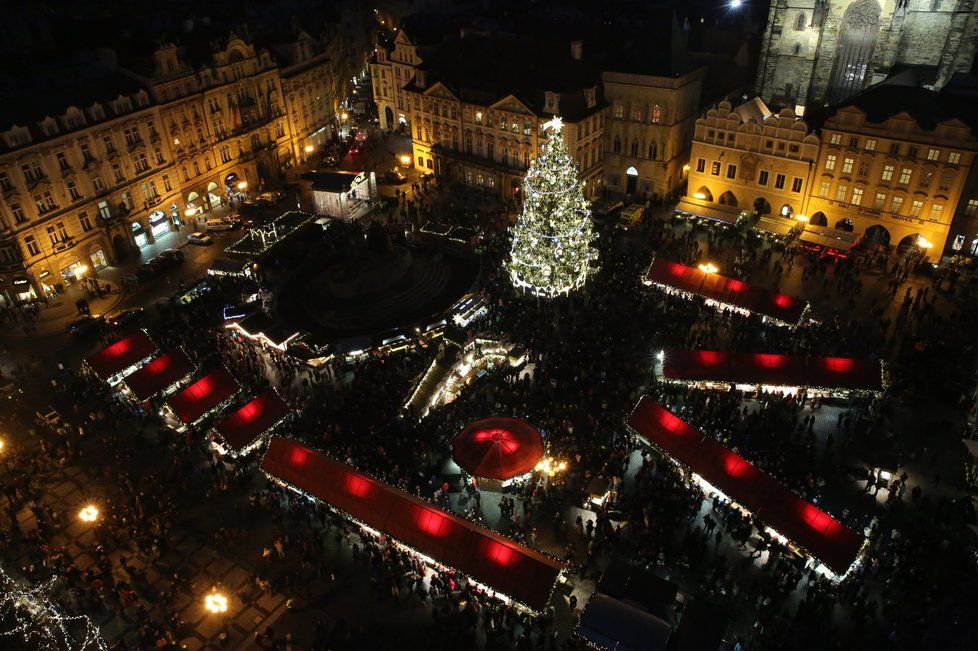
(552, 253)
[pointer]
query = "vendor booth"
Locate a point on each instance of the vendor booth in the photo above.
(830, 546)
(726, 293)
(821, 375)
(497, 450)
(343, 195)
(115, 361)
(505, 568)
(163, 374)
(202, 397)
(247, 427)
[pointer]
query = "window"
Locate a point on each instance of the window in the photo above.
(731, 171)
(140, 162)
(715, 168)
(32, 246)
(762, 177)
(830, 162)
(779, 180)
(62, 161)
(44, 201)
(619, 111)
(769, 144)
(945, 184)
(5, 183)
(85, 222)
(73, 190)
(634, 148)
(18, 213)
(167, 186)
(925, 179)
(870, 144)
(225, 153)
(896, 205)
(97, 183)
(656, 114)
(841, 192)
(895, 148)
(835, 138)
(913, 152)
(905, 173)
(796, 184)
(637, 113)
(800, 21)
(857, 196)
(652, 151)
(972, 208)
(853, 142)
(933, 154)
(32, 171)
(915, 208)
(700, 165)
(824, 188)
(847, 165)
(953, 158)
(887, 173)
(936, 210)
(616, 145)
(880, 200)
(794, 149)
(864, 168)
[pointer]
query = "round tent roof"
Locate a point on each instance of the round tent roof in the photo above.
(498, 448)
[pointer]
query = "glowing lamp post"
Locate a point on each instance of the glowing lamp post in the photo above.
(308, 149)
(708, 267)
(405, 159)
(2, 445)
(242, 186)
(88, 514)
(550, 467)
(216, 602)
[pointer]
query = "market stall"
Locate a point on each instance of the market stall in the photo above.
(444, 540)
(828, 241)
(163, 374)
(497, 450)
(830, 546)
(246, 428)
(202, 397)
(822, 375)
(115, 361)
(726, 293)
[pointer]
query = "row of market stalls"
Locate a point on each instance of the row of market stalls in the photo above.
(830, 547)
(132, 365)
(727, 293)
(827, 376)
(513, 572)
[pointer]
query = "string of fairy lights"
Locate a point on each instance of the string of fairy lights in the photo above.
(30, 615)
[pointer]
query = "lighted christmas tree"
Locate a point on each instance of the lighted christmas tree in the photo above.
(552, 238)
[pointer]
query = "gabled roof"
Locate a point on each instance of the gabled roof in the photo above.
(120, 355)
(243, 426)
(160, 374)
(204, 394)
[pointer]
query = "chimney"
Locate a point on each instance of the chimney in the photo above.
(576, 49)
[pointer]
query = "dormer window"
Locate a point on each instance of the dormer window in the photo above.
(591, 96)
(98, 113)
(551, 101)
(420, 78)
(49, 127)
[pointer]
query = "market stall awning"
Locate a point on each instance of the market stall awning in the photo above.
(766, 302)
(498, 448)
(494, 560)
(244, 426)
(204, 394)
(775, 225)
(804, 524)
(608, 623)
(159, 375)
(123, 354)
(831, 238)
(859, 374)
(724, 216)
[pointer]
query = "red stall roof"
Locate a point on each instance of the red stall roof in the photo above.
(498, 447)
(496, 561)
(203, 395)
(242, 427)
(162, 373)
(777, 370)
(770, 303)
(121, 355)
(801, 522)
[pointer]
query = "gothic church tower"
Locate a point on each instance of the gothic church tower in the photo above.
(823, 51)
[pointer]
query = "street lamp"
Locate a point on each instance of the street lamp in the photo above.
(309, 149)
(216, 602)
(801, 218)
(405, 159)
(344, 115)
(242, 185)
(88, 514)
(2, 445)
(708, 267)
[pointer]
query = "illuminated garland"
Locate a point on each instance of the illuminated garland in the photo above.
(30, 614)
(552, 239)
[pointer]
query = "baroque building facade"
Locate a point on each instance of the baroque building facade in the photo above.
(132, 155)
(823, 51)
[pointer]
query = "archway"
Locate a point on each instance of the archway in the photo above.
(704, 194)
(213, 199)
(632, 180)
(388, 117)
(907, 243)
(819, 219)
(877, 234)
(121, 247)
(728, 199)
(762, 206)
(787, 211)
(860, 24)
(845, 224)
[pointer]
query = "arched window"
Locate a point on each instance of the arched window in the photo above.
(800, 21)
(652, 151)
(634, 147)
(616, 145)
(656, 114)
(796, 50)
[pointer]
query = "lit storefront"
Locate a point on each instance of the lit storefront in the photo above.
(74, 271)
(139, 235)
(159, 224)
(23, 290)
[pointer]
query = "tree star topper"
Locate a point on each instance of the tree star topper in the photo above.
(556, 124)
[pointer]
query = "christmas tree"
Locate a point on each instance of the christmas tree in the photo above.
(552, 238)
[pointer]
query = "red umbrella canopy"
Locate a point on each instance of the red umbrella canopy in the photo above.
(498, 448)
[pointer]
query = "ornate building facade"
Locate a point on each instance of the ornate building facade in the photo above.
(823, 51)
